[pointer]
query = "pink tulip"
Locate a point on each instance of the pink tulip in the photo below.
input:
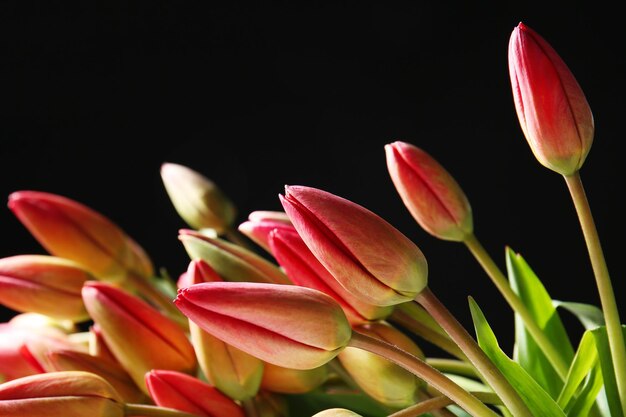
(305, 270)
(140, 337)
(429, 192)
(368, 256)
(43, 284)
(197, 272)
(182, 392)
(68, 229)
(286, 325)
(67, 394)
(551, 106)
(261, 223)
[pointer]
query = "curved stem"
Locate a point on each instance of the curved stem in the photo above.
(153, 411)
(452, 366)
(419, 368)
(603, 282)
(416, 326)
(479, 359)
(432, 404)
(484, 259)
(438, 412)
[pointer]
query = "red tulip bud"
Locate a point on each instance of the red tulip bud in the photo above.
(140, 337)
(261, 223)
(286, 325)
(182, 392)
(73, 231)
(429, 192)
(43, 284)
(368, 256)
(552, 109)
(67, 394)
(303, 268)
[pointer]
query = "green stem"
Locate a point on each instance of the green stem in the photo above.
(552, 353)
(419, 368)
(153, 411)
(438, 412)
(452, 366)
(407, 320)
(432, 404)
(603, 282)
(479, 359)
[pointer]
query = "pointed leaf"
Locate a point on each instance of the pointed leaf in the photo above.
(536, 398)
(608, 374)
(585, 360)
(588, 394)
(589, 315)
(535, 297)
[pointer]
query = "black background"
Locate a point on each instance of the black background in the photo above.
(258, 95)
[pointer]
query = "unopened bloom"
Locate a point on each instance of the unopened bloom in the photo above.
(261, 223)
(12, 363)
(303, 268)
(71, 230)
(140, 337)
(233, 371)
(337, 412)
(185, 393)
(293, 381)
(230, 261)
(197, 199)
(43, 284)
(112, 372)
(551, 106)
(369, 257)
(67, 394)
(381, 379)
(286, 325)
(433, 197)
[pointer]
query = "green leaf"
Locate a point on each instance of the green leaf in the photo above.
(584, 379)
(589, 315)
(535, 297)
(306, 405)
(608, 373)
(536, 398)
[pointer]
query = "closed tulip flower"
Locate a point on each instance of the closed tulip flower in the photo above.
(71, 230)
(67, 394)
(369, 257)
(337, 412)
(551, 106)
(286, 325)
(197, 199)
(261, 223)
(139, 337)
(185, 393)
(433, 197)
(43, 284)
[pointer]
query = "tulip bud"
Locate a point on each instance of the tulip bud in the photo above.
(113, 373)
(551, 107)
(44, 285)
(12, 364)
(289, 326)
(231, 262)
(67, 394)
(303, 268)
(368, 256)
(337, 412)
(197, 199)
(139, 336)
(261, 223)
(97, 345)
(232, 371)
(381, 379)
(293, 381)
(429, 192)
(70, 230)
(36, 350)
(182, 392)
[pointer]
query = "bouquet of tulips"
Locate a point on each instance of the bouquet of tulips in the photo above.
(315, 310)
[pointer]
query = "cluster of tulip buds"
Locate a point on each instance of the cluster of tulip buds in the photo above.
(317, 308)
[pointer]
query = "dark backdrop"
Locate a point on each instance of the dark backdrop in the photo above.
(99, 94)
